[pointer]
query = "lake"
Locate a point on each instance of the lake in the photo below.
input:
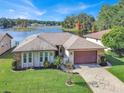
(21, 35)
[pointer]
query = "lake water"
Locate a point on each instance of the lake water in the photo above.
(19, 36)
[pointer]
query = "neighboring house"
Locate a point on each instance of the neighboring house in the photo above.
(96, 37)
(5, 42)
(36, 49)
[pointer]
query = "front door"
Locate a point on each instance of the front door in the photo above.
(36, 59)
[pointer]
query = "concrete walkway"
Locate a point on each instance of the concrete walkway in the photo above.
(100, 80)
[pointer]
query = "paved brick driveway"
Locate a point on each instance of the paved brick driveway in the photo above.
(100, 80)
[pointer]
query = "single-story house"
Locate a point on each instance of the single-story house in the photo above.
(36, 49)
(96, 37)
(5, 42)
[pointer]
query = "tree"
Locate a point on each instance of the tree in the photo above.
(115, 40)
(104, 19)
(111, 16)
(4, 22)
(94, 28)
(86, 22)
(69, 22)
(7, 23)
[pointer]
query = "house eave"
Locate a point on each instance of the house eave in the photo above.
(33, 51)
(92, 37)
(83, 49)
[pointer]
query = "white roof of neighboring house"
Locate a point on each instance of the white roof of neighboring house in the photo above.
(49, 41)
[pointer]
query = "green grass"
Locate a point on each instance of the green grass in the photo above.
(37, 81)
(23, 28)
(73, 31)
(117, 68)
(114, 60)
(7, 55)
(118, 71)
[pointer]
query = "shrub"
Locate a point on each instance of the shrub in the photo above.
(103, 61)
(52, 65)
(14, 65)
(46, 64)
(69, 65)
(58, 61)
(112, 53)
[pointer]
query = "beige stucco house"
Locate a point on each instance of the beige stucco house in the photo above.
(36, 49)
(5, 42)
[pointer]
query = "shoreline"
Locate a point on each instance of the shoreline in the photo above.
(29, 29)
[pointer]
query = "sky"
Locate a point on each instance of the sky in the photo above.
(45, 10)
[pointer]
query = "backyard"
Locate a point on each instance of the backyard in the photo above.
(37, 81)
(117, 68)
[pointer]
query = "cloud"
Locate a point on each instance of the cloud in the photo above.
(21, 9)
(22, 17)
(11, 10)
(40, 13)
(71, 9)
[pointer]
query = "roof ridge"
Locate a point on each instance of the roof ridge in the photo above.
(40, 37)
(71, 38)
(4, 34)
(74, 41)
(24, 44)
(2, 37)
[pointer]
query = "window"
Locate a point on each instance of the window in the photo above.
(51, 54)
(30, 57)
(46, 56)
(41, 56)
(24, 58)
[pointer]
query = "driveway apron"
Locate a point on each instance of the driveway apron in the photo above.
(99, 79)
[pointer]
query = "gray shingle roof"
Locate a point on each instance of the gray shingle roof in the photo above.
(70, 41)
(48, 41)
(3, 34)
(82, 44)
(56, 38)
(34, 44)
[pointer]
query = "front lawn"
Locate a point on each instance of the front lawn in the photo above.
(117, 68)
(114, 60)
(37, 81)
(118, 71)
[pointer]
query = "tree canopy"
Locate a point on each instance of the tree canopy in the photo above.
(115, 40)
(8, 23)
(111, 16)
(85, 20)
